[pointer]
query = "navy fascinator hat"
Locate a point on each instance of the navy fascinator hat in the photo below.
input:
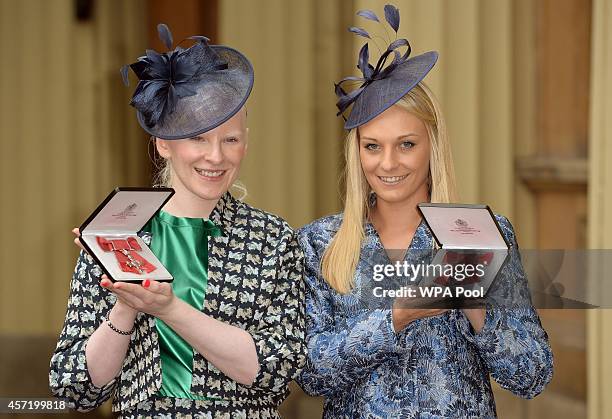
(383, 85)
(185, 92)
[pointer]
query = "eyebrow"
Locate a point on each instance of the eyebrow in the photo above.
(412, 134)
(231, 134)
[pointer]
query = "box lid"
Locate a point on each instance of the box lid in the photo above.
(463, 226)
(126, 209)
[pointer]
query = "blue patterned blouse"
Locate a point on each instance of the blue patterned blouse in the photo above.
(435, 367)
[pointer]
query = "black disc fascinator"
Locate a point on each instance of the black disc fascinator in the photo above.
(185, 92)
(381, 86)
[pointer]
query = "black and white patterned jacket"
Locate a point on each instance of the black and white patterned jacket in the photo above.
(254, 282)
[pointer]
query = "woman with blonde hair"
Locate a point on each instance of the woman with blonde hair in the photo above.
(399, 361)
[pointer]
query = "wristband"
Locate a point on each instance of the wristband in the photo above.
(114, 329)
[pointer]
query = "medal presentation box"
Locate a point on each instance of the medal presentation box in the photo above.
(467, 235)
(110, 234)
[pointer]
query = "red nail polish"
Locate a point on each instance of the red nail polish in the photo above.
(146, 283)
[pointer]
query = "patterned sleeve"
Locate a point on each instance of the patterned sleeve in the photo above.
(512, 342)
(68, 377)
(279, 341)
(340, 355)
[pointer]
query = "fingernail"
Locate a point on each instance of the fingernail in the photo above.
(103, 283)
(146, 283)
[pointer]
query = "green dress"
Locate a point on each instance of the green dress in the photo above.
(181, 244)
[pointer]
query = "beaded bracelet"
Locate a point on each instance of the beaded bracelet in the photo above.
(114, 329)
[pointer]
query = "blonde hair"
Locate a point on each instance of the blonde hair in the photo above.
(342, 255)
(162, 176)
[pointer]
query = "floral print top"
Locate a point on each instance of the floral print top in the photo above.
(436, 367)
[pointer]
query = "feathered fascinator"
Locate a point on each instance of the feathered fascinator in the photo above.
(382, 85)
(185, 92)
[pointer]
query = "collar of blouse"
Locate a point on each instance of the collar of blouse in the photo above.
(222, 216)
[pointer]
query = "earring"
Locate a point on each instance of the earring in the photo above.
(371, 198)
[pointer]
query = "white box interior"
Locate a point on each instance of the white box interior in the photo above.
(123, 216)
(464, 227)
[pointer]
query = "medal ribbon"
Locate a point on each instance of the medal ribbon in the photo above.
(126, 252)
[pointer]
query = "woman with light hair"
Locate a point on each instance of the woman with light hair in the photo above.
(400, 361)
(226, 337)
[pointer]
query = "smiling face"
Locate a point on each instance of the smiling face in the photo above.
(206, 166)
(394, 150)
